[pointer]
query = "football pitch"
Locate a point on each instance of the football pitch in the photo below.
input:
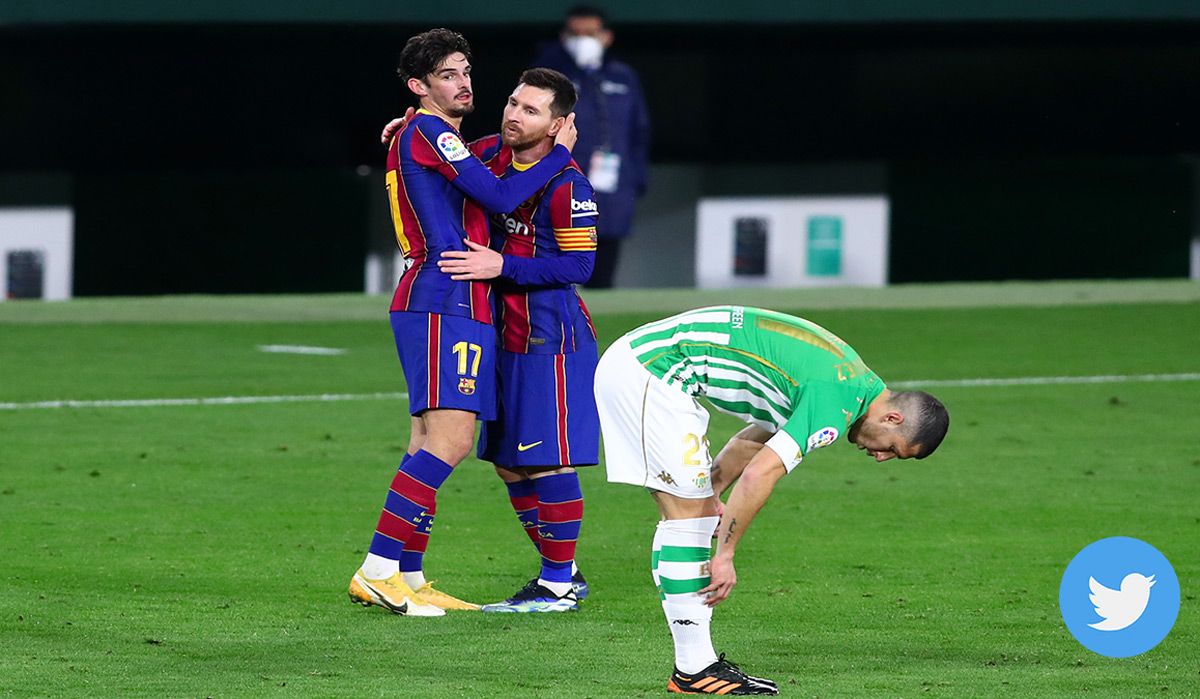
(156, 544)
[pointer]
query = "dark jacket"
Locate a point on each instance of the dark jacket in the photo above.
(611, 108)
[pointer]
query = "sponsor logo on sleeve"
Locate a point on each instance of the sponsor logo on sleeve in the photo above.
(452, 147)
(822, 438)
(583, 208)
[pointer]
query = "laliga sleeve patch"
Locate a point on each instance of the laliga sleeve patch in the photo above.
(822, 438)
(452, 147)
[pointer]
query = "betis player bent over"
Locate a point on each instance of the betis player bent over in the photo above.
(798, 385)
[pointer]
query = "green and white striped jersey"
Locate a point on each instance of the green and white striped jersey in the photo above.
(782, 373)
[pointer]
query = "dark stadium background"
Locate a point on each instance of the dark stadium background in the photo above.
(225, 156)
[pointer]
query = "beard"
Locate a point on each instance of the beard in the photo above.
(521, 141)
(460, 110)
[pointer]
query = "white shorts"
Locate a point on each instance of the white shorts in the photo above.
(654, 434)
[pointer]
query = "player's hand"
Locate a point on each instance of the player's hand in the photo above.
(723, 578)
(567, 135)
(479, 262)
(395, 125)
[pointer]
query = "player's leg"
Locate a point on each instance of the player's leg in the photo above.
(385, 554)
(560, 518)
(522, 495)
(679, 562)
(449, 438)
(546, 424)
(654, 436)
(412, 558)
(446, 394)
(379, 581)
(549, 498)
(410, 501)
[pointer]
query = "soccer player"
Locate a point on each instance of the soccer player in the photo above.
(447, 346)
(547, 422)
(798, 385)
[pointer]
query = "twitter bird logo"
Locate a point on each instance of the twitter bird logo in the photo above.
(1119, 621)
(1120, 608)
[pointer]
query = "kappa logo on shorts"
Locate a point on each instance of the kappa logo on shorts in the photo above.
(665, 478)
(822, 438)
(452, 147)
(466, 386)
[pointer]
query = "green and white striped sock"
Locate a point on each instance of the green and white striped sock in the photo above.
(679, 562)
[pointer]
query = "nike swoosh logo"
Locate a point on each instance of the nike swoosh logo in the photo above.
(402, 609)
(527, 447)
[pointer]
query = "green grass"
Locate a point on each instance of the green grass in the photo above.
(205, 551)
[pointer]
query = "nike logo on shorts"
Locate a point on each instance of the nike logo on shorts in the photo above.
(527, 447)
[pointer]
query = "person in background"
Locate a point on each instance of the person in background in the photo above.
(613, 124)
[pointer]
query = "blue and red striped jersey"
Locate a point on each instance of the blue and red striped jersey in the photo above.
(549, 246)
(438, 190)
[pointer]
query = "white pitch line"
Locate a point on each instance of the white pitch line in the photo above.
(219, 400)
(333, 397)
(301, 349)
(1047, 380)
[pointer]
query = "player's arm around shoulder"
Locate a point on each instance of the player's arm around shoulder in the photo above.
(749, 495)
(473, 178)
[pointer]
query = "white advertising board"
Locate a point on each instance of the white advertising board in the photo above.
(792, 242)
(36, 253)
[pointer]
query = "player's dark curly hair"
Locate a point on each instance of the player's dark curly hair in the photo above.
(423, 53)
(927, 417)
(558, 84)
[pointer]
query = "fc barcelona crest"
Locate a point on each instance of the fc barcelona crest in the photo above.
(466, 386)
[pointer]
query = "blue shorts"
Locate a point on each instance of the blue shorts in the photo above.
(449, 362)
(547, 411)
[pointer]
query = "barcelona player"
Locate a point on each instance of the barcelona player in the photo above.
(547, 422)
(438, 191)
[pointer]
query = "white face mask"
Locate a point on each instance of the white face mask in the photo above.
(587, 51)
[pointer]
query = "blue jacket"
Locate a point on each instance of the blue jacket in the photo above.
(621, 119)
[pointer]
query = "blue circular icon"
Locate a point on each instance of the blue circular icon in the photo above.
(1119, 597)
